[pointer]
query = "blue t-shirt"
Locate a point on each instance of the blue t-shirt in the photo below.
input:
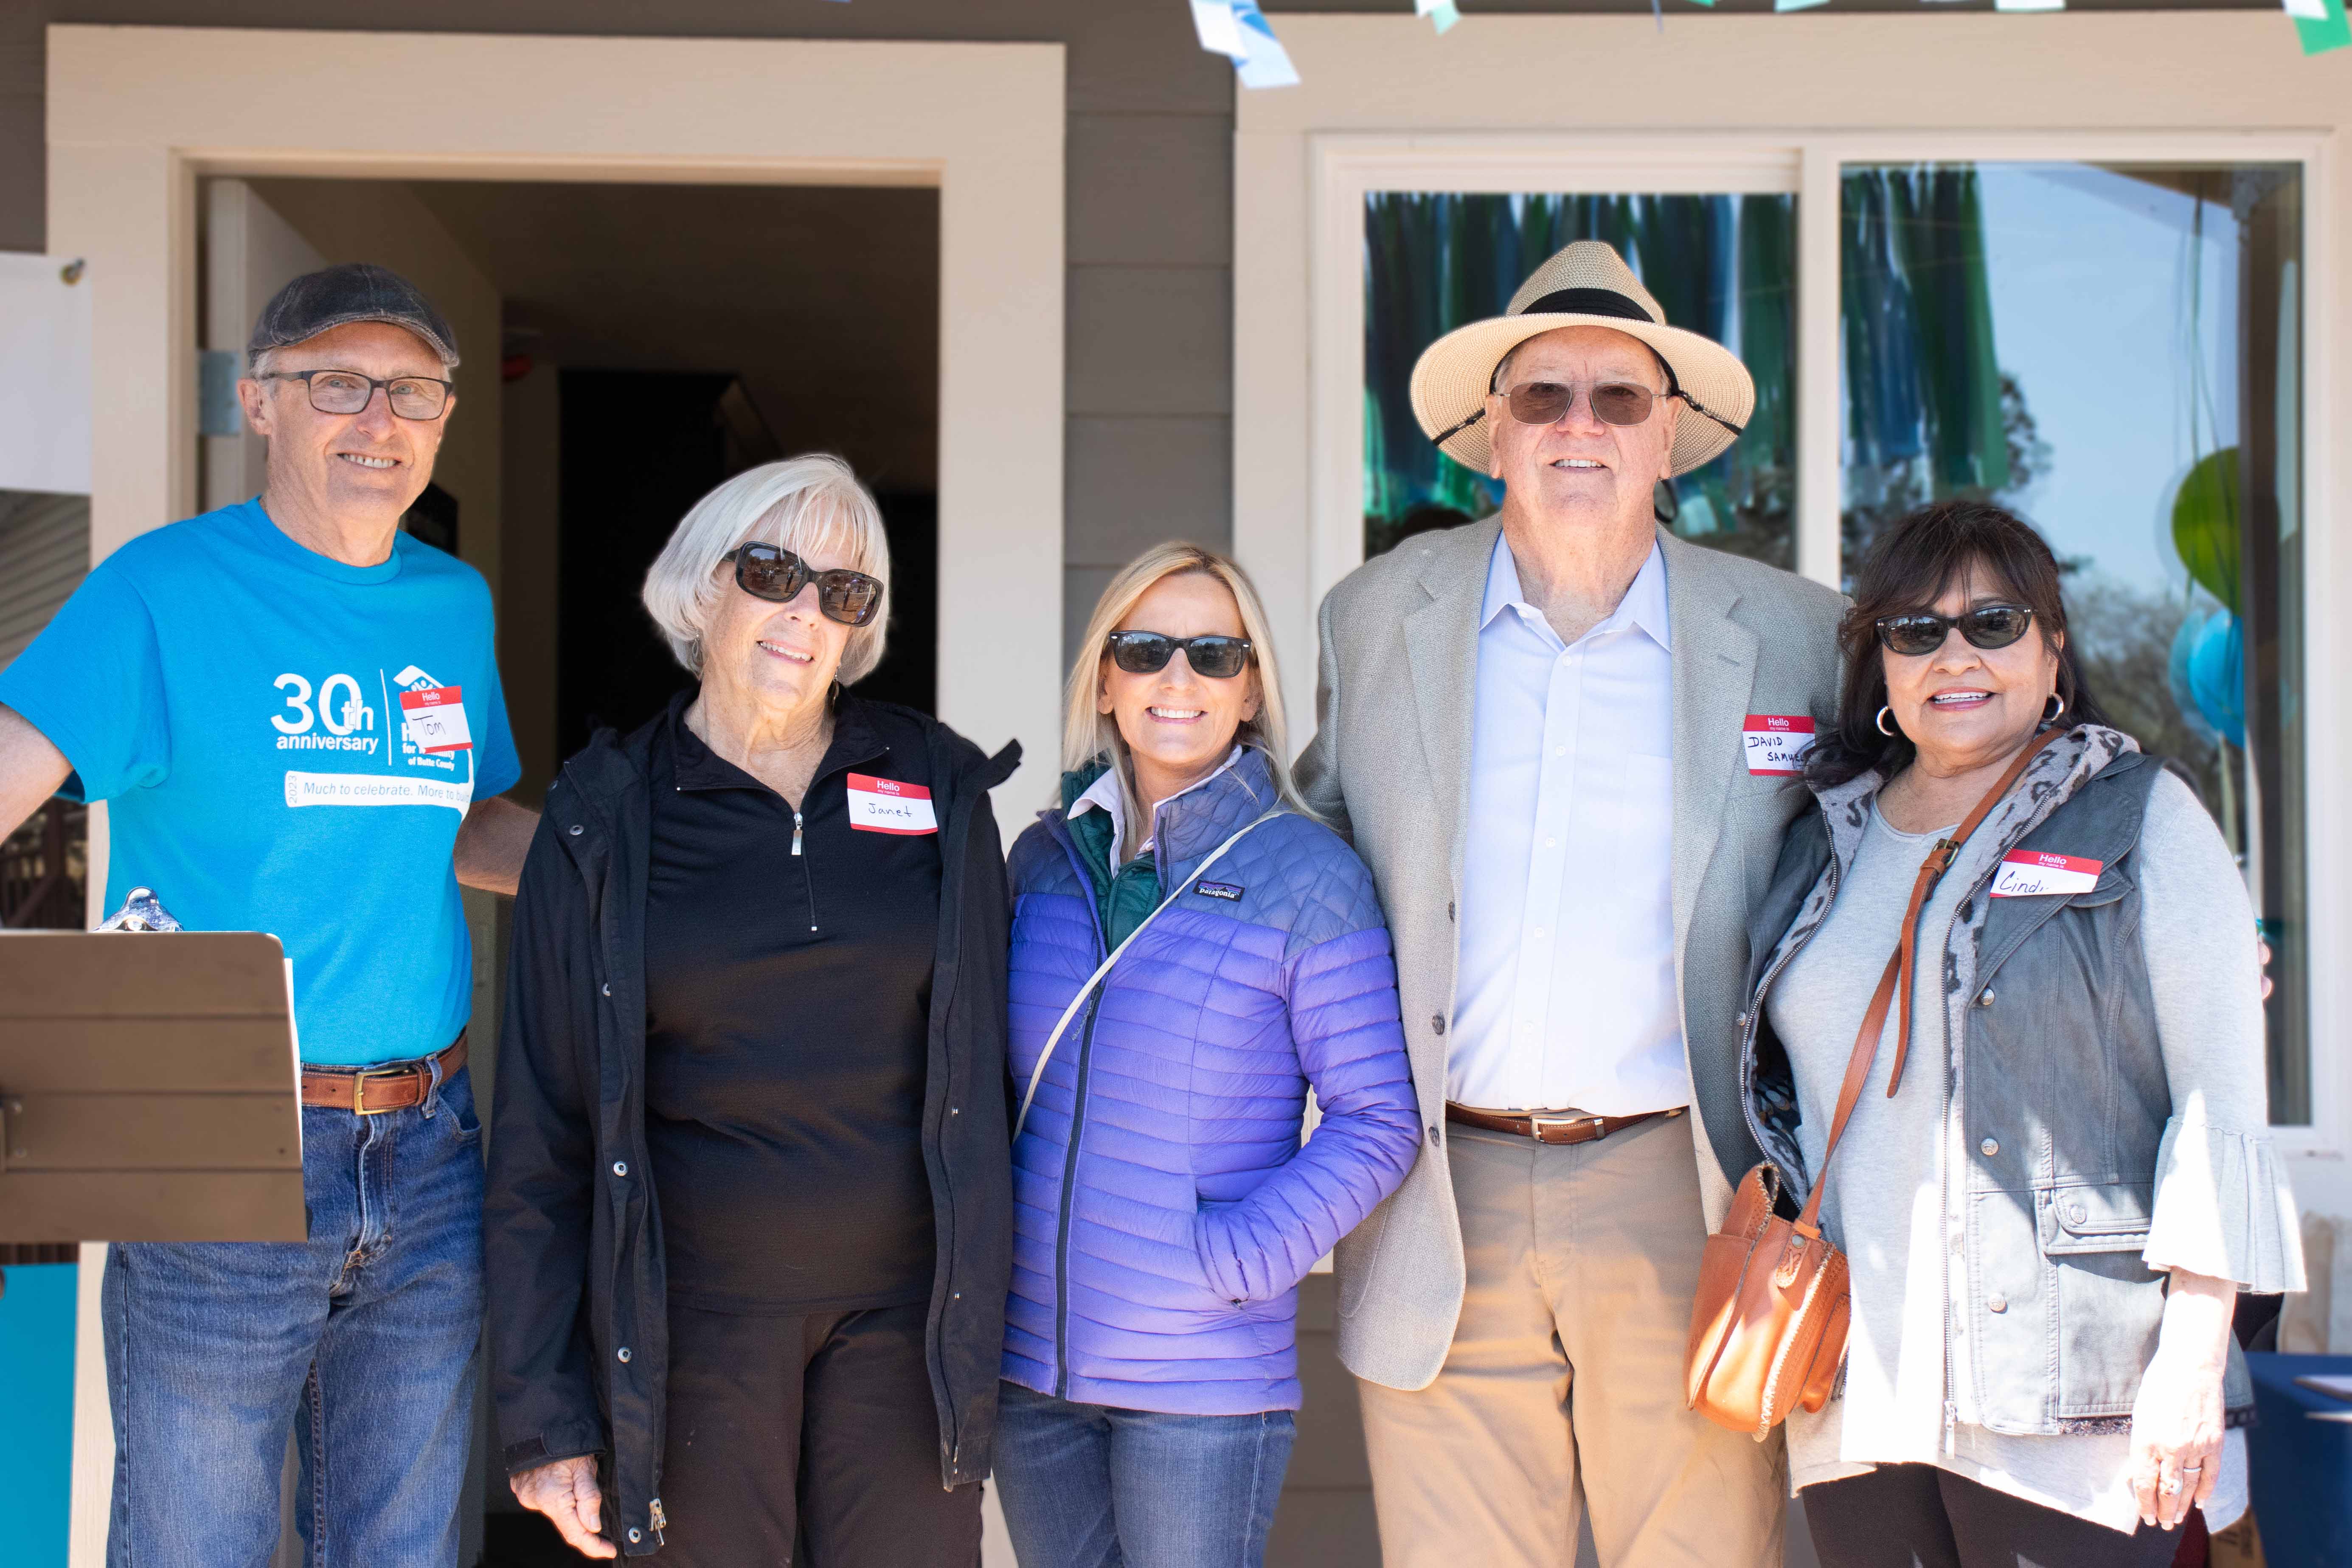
(288, 745)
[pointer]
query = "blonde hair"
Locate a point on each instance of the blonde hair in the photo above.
(807, 505)
(1087, 734)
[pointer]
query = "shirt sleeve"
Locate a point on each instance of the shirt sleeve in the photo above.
(496, 768)
(92, 682)
(2222, 1204)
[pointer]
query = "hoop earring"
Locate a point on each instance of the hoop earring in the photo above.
(2053, 718)
(1882, 723)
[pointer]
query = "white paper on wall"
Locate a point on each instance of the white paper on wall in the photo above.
(45, 374)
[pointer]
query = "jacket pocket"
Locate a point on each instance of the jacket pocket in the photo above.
(2108, 1303)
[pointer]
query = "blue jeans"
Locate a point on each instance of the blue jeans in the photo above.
(1088, 1486)
(360, 1342)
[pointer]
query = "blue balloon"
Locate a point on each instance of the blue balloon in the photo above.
(2216, 675)
(2175, 674)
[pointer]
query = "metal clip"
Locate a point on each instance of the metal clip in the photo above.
(141, 911)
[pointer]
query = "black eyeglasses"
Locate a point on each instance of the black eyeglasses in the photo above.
(771, 573)
(1920, 632)
(1147, 653)
(418, 397)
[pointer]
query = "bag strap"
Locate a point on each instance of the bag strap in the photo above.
(1895, 980)
(1037, 1073)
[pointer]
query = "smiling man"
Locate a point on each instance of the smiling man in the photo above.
(294, 713)
(1565, 742)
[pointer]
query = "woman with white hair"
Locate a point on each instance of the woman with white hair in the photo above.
(1191, 953)
(749, 1222)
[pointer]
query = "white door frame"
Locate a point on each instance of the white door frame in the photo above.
(138, 115)
(1734, 103)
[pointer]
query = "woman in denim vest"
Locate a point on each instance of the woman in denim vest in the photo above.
(2050, 1217)
(1164, 1210)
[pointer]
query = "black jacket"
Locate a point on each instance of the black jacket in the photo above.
(578, 1328)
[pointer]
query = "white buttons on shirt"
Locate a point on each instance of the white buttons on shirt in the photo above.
(1997, 1303)
(1990, 1147)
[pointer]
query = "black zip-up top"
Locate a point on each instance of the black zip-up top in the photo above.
(577, 1284)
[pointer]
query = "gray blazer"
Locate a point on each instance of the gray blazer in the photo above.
(1390, 765)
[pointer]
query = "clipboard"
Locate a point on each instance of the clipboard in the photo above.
(149, 1090)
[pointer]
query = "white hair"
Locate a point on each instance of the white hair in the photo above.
(1089, 733)
(809, 505)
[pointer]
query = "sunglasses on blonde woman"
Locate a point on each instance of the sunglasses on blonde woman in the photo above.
(1147, 653)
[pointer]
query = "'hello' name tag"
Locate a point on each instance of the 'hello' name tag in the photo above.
(2026, 872)
(435, 718)
(886, 806)
(1776, 743)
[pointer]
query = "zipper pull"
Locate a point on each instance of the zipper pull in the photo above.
(1952, 1425)
(796, 833)
(659, 1519)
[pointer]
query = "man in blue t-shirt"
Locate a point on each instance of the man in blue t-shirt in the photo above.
(292, 710)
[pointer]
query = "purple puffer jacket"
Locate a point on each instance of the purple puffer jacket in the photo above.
(1158, 1269)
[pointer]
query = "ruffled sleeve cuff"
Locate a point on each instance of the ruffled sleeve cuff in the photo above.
(2224, 1208)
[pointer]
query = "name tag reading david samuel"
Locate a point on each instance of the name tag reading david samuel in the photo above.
(2026, 872)
(1776, 743)
(886, 806)
(436, 719)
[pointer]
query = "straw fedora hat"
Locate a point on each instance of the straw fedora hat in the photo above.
(1586, 285)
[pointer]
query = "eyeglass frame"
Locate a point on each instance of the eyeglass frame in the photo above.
(449, 391)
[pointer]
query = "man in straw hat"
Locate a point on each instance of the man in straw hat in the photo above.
(1563, 739)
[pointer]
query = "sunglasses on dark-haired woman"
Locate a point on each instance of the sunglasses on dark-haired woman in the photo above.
(1988, 627)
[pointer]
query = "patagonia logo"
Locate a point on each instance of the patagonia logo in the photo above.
(1220, 890)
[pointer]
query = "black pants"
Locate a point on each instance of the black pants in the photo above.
(1916, 1516)
(820, 1429)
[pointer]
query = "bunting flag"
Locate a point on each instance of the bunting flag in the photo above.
(2029, 5)
(2321, 23)
(1797, 4)
(1238, 30)
(1441, 13)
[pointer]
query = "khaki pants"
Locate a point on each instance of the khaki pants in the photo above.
(1564, 1387)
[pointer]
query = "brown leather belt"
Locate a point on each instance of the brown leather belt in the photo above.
(1550, 1126)
(371, 1092)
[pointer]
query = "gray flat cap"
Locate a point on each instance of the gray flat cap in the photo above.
(355, 291)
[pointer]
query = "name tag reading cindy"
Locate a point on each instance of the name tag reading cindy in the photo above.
(886, 806)
(2026, 872)
(436, 720)
(1776, 743)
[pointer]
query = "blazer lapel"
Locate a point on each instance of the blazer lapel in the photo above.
(1715, 670)
(1441, 641)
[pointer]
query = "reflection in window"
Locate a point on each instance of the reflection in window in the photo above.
(1721, 265)
(2111, 351)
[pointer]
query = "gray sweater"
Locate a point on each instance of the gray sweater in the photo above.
(2222, 1206)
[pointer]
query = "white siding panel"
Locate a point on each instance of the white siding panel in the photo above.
(44, 555)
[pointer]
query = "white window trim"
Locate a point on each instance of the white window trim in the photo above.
(1755, 103)
(136, 116)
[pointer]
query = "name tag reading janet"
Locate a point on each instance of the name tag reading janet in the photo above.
(1776, 743)
(2025, 872)
(886, 806)
(436, 719)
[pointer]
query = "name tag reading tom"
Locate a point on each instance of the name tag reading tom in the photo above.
(435, 718)
(2026, 872)
(886, 806)
(1776, 743)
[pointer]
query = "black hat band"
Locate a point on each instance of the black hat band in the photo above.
(1589, 303)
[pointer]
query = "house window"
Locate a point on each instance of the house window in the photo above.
(2110, 349)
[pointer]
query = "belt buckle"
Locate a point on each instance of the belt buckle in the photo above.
(1537, 1122)
(359, 1092)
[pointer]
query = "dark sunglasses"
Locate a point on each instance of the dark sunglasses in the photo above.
(771, 573)
(1147, 653)
(1613, 403)
(1922, 631)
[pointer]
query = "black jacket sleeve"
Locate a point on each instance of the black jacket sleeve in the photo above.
(539, 1211)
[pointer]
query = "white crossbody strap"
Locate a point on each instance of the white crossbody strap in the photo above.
(1037, 1073)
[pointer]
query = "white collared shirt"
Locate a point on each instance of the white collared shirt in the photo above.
(1106, 793)
(1566, 994)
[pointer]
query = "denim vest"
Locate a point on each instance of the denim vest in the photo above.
(2064, 1096)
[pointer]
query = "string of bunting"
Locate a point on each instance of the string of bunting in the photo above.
(1238, 30)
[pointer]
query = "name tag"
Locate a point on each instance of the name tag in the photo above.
(435, 718)
(1776, 743)
(886, 806)
(2026, 872)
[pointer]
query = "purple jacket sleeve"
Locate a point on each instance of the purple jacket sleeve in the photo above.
(1351, 1043)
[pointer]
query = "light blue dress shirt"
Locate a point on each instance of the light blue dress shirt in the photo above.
(1566, 998)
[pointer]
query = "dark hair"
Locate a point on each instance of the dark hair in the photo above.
(1909, 568)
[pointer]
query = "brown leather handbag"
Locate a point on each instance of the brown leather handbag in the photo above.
(1769, 1323)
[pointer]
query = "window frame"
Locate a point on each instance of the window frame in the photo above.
(1303, 165)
